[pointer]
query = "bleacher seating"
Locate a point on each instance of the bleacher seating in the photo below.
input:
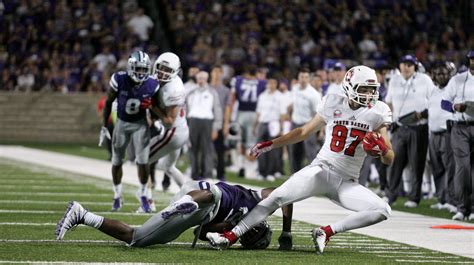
(48, 117)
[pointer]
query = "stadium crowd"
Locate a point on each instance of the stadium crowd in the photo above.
(79, 46)
(68, 46)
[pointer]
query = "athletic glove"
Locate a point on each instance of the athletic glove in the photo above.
(374, 144)
(147, 103)
(104, 133)
(261, 148)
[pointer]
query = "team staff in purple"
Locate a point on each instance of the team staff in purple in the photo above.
(133, 91)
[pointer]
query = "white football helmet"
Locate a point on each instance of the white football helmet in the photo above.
(167, 66)
(361, 76)
(139, 66)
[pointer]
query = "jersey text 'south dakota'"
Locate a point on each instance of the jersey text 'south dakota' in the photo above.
(352, 123)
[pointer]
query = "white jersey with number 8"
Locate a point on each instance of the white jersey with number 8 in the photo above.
(345, 129)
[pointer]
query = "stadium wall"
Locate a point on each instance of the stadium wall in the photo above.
(44, 117)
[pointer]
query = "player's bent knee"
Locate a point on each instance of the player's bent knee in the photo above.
(273, 201)
(385, 210)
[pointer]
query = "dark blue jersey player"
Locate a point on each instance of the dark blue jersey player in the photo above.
(213, 207)
(245, 90)
(133, 91)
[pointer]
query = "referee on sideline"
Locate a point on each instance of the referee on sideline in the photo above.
(408, 94)
(460, 92)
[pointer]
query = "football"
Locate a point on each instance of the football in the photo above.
(369, 145)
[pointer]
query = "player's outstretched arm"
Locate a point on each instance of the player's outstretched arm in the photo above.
(301, 133)
(389, 155)
(294, 136)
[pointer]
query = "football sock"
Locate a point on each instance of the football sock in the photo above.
(177, 176)
(328, 230)
(93, 220)
(149, 194)
(142, 189)
(117, 191)
(258, 214)
(358, 220)
(185, 198)
(240, 161)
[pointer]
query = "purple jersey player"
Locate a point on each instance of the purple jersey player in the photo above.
(133, 91)
(212, 207)
(245, 90)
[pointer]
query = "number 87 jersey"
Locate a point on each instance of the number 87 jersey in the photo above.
(345, 130)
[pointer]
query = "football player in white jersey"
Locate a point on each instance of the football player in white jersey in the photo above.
(350, 121)
(169, 107)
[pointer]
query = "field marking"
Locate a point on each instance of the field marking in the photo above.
(394, 251)
(27, 224)
(203, 244)
(433, 261)
(42, 224)
(65, 203)
(70, 262)
(62, 212)
(363, 244)
(376, 249)
(57, 194)
(419, 256)
(23, 182)
(47, 187)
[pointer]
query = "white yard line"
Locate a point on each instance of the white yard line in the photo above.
(135, 263)
(412, 229)
(77, 194)
(62, 212)
(86, 204)
(432, 261)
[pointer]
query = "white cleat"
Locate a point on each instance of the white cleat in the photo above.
(218, 241)
(320, 240)
(179, 208)
(437, 206)
(73, 216)
(152, 205)
(410, 204)
(458, 216)
(451, 208)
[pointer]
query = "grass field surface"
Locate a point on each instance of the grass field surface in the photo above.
(33, 199)
(93, 151)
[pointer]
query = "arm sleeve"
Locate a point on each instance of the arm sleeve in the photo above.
(450, 90)
(321, 107)
(386, 115)
(113, 82)
(430, 86)
(259, 105)
(316, 103)
(217, 124)
(389, 97)
(233, 81)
